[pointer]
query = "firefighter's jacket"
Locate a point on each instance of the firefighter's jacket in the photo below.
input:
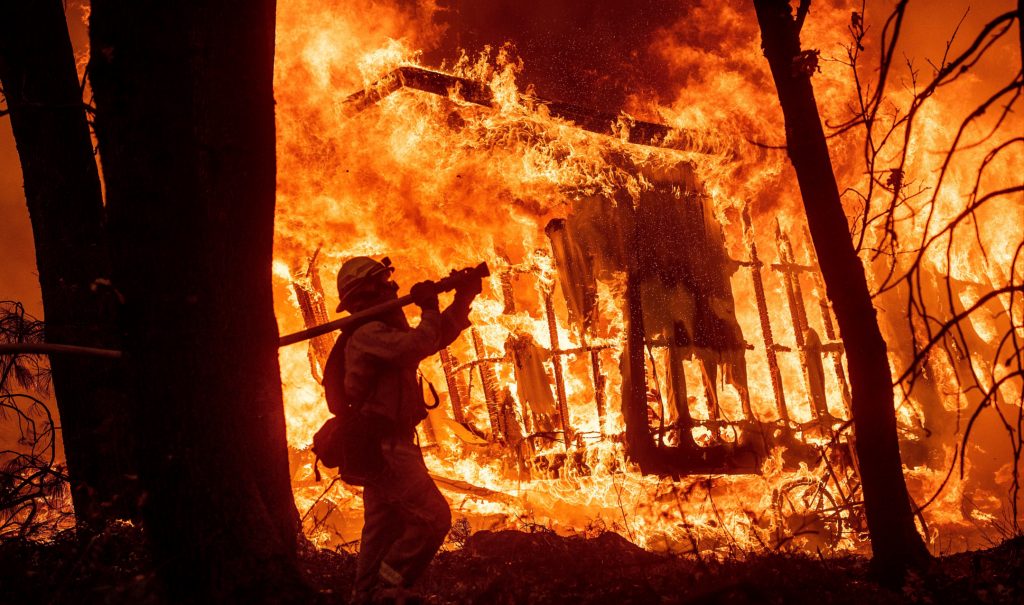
(382, 358)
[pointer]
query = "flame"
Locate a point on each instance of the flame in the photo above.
(438, 182)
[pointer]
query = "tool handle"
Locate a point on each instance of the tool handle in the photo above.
(446, 284)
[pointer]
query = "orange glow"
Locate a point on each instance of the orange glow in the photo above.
(437, 182)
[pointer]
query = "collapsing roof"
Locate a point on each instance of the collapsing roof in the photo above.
(620, 126)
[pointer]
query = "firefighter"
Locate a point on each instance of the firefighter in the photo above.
(405, 517)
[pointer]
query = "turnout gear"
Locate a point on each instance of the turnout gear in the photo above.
(372, 383)
(382, 358)
(405, 522)
(405, 517)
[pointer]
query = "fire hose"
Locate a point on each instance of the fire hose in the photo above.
(456, 279)
(451, 282)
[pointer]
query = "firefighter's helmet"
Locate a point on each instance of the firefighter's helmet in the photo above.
(356, 273)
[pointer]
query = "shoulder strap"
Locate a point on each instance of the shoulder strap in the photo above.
(334, 375)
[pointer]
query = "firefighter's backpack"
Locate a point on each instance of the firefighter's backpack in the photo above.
(345, 441)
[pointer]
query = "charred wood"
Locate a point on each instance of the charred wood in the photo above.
(620, 126)
(770, 349)
(556, 362)
(309, 293)
(456, 389)
(599, 393)
(832, 347)
(798, 314)
(633, 368)
(491, 389)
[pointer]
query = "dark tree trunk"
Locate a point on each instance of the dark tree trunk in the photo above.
(62, 188)
(1020, 29)
(185, 120)
(894, 538)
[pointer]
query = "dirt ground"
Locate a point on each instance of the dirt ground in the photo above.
(512, 567)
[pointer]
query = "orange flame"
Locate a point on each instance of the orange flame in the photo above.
(437, 182)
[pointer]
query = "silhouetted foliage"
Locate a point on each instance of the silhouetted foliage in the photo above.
(940, 306)
(34, 499)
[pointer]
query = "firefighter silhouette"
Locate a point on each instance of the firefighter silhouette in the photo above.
(406, 519)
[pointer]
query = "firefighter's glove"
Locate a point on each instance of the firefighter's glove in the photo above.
(424, 294)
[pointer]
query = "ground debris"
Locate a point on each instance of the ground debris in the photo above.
(513, 567)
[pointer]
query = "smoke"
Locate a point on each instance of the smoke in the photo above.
(595, 54)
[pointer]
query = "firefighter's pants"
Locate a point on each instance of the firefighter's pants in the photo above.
(405, 521)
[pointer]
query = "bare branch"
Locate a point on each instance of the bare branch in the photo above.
(950, 325)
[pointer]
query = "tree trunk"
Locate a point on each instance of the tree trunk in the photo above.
(894, 538)
(1020, 29)
(62, 188)
(185, 120)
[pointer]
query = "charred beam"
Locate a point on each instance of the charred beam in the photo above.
(595, 366)
(794, 295)
(489, 382)
(455, 390)
(620, 126)
(798, 313)
(309, 293)
(833, 347)
(639, 446)
(507, 293)
(556, 361)
(770, 347)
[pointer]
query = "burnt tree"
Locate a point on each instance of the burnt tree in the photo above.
(185, 122)
(896, 545)
(62, 189)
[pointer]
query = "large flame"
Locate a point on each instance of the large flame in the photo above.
(436, 182)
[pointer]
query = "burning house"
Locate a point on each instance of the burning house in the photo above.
(654, 353)
(615, 337)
